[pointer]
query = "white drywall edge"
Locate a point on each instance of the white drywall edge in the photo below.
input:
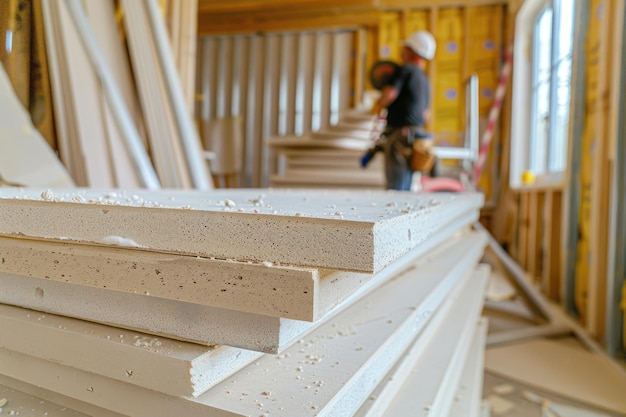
(161, 364)
(335, 229)
(431, 384)
(433, 363)
(188, 321)
(469, 393)
(333, 369)
(288, 292)
(23, 404)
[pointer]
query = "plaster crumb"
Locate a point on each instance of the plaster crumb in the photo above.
(434, 202)
(3, 402)
(229, 203)
(119, 241)
(47, 195)
(503, 389)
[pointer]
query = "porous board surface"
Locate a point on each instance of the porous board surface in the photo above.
(158, 316)
(334, 229)
(455, 319)
(328, 372)
(189, 321)
(289, 292)
(161, 364)
(469, 393)
(434, 377)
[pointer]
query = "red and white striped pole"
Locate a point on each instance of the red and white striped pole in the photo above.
(494, 114)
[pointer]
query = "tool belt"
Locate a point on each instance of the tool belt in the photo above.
(417, 148)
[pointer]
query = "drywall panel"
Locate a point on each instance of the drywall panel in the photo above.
(430, 373)
(161, 364)
(345, 230)
(188, 321)
(329, 372)
(467, 402)
(21, 403)
(158, 316)
(469, 393)
(295, 293)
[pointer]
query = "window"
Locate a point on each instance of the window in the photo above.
(542, 88)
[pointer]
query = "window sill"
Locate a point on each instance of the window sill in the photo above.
(545, 182)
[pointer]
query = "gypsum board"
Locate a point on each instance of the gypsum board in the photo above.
(296, 293)
(25, 404)
(188, 321)
(326, 372)
(160, 364)
(469, 394)
(458, 322)
(335, 229)
(435, 397)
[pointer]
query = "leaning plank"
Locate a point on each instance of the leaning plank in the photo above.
(343, 230)
(161, 364)
(25, 159)
(328, 373)
(166, 149)
(186, 321)
(426, 378)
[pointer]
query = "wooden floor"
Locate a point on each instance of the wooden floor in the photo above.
(510, 397)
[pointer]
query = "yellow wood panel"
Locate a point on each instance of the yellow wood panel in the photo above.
(523, 229)
(15, 36)
(40, 100)
(389, 37)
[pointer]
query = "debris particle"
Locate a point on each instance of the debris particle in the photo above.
(503, 389)
(47, 195)
(3, 402)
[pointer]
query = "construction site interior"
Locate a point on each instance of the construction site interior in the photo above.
(188, 226)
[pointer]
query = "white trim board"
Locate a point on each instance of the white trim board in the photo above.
(428, 375)
(335, 229)
(187, 321)
(160, 364)
(330, 370)
(26, 158)
(289, 292)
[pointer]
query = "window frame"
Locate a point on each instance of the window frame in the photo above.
(523, 120)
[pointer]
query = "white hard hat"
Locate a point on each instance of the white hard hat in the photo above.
(422, 43)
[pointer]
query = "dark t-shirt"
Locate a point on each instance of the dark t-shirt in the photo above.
(413, 98)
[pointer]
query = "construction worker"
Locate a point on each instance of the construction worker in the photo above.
(407, 100)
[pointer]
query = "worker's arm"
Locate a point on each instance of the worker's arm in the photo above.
(388, 95)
